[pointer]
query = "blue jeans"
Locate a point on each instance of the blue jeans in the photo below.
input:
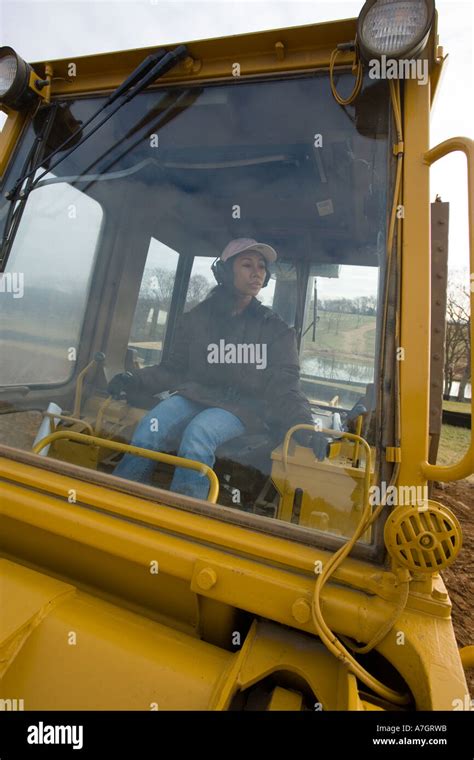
(201, 429)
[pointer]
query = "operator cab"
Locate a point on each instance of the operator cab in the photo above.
(117, 243)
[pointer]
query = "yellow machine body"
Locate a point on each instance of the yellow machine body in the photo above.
(111, 598)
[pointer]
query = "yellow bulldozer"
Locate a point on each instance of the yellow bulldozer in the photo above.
(299, 583)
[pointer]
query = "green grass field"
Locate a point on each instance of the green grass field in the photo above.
(349, 334)
(453, 444)
(457, 406)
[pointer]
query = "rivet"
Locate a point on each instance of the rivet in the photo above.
(191, 65)
(280, 50)
(188, 63)
(301, 611)
(207, 578)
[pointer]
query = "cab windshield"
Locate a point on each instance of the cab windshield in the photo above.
(113, 254)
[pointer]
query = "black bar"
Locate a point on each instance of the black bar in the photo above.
(315, 734)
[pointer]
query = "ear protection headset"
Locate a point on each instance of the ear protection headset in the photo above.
(224, 274)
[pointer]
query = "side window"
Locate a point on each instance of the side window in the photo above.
(201, 282)
(280, 293)
(339, 335)
(150, 321)
(45, 287)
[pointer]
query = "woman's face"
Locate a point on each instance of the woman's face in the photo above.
(249, 273)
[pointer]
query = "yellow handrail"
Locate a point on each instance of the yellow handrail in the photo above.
(465, 466)
(157, 456)
(467, 657)
(76, 412)
(100, 414)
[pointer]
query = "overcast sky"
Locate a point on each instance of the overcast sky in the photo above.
(40, 30)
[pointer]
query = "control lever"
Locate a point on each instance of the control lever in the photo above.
(99, 358)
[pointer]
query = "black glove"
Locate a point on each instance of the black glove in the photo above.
(313, 440)
(121, 384)
(356, 411)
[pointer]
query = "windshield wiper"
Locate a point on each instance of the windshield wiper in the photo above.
(165, 63)
(35, 156)
(167, 110)
(153, 67)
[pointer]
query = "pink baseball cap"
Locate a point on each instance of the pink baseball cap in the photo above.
(239, 245)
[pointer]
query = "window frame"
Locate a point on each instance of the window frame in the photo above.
(373, 552)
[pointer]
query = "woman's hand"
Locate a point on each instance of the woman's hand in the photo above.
(313, 439)
(121, 384)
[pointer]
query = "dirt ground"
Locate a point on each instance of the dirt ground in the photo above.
(459, 497)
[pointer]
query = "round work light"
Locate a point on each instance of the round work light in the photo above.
(17, 80)
(394, 28)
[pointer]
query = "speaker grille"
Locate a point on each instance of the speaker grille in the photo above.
(424, 540)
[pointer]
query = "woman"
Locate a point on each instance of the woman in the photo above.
(233, 369)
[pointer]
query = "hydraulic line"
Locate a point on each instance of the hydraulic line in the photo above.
(356, 68)
(331, 641)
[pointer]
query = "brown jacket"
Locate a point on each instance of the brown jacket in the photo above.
(204, 367)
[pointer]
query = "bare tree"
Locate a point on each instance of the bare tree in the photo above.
(198, 289)
(160, 286)
(457, 363)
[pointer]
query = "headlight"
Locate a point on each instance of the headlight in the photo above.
(8, 70)
(17, 80)
(394, 28)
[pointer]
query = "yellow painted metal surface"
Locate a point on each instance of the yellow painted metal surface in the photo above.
(9, 136)
(284, 699)
(55, 489)
(415, 315)
(301, 48)
(467, 657)
(63, 649)
(95, 651)
(98, 551)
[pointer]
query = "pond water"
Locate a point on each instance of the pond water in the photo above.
(330, 368)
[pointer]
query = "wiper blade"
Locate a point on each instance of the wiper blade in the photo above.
(168, 115)
(167, 112)
(15, 212)
(166, 63)
(129, 82)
